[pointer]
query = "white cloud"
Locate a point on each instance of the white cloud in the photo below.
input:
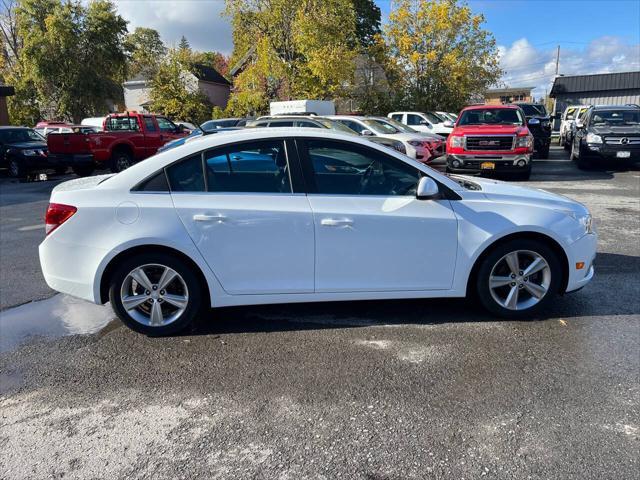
(201, 22)
(527, 65)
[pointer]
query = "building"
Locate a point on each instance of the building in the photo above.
(598, 89)
(501, 96)
(137, 91)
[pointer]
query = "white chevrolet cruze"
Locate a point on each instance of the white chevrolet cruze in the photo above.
(298, 215)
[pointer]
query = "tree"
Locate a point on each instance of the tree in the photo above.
(213, 59)
(71, 60)
(290, 49)
(440, 55)
(367, 22)
(145, 51)
(184, 44)
(173, 92)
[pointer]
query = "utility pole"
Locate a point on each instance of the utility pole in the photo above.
(558, 60)
(555, 100)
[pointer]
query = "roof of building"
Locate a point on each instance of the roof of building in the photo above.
(208, 74)
(596, 82)
(509, 90)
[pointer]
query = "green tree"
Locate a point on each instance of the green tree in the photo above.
(184, 44)
(290, 49)
(440, 56)
(367, 22)
(71, 61)
(145, 52)
(174, 92)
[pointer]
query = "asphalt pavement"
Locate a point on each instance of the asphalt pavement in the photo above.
(360, 390)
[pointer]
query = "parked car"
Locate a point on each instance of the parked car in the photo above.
(539, 124)
(434, 142)
(424, 122)
(225, 123)
(22, 150)
(192, 135)
(568, 123)
(96, 122)
(45, 128)
(446, 116)
(609, 134)
(315, 216)
(415, 146)
(186, 125)
(127, 138)
(320, 122)
(491, 138)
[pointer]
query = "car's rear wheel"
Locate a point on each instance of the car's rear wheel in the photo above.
(121, 160)
(83, 170)
(518, 278)
(155, 294)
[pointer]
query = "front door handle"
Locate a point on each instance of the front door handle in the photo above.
(336, 222)
(209, 218)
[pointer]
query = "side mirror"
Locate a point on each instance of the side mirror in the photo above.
(367, 133)
(427, 189)
(534, 121)
(448, 123)
(579, 124)
(425, 123)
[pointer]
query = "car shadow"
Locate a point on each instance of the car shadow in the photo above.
(613, 291)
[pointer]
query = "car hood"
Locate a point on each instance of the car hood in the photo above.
(490, 129)
(497, 191)
(405, 137)
(29, 145)
(614, 130)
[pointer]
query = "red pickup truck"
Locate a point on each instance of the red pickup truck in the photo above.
(490, 138)
(127, 138)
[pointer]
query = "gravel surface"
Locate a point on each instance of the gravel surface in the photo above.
(358, 390)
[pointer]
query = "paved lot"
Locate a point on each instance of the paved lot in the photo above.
(371, 390)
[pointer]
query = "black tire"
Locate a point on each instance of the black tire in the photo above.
(16, 169)
(544, 152)
(120, 160)
(83, 170)
(194, 293)
(60, 170)
(483, 290)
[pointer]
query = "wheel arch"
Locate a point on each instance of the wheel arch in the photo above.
(541, 237)
(130, 252)
(122, 146)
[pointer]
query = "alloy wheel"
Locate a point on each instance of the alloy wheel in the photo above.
(520, 280)
(154, 295)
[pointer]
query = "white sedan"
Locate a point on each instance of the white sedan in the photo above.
(303, 215)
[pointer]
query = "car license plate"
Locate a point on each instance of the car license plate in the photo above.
(623, 154)
(488, 166)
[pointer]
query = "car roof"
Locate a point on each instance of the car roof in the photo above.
(13, 127)
(616, 107)
(510, 106)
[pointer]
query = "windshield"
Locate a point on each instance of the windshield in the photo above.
(491, 116)
(380, 127)
(14, 135)
(533, 110)
(399, 126)
(333, 125)
(616, 117)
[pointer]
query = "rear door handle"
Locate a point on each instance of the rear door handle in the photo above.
(209, 218)
(336, 222)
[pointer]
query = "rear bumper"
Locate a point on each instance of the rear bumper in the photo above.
(71, 160)
(503, 163)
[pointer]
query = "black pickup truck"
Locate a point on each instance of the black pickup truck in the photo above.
(539, 124)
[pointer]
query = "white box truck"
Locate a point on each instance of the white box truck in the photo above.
(291, 107)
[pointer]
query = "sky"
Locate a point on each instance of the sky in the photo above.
(595, 36)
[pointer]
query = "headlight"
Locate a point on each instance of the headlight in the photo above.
(524, 142)
(415, 143)
(456, 142)
(587, 222)
(593, 138)
(30, 152)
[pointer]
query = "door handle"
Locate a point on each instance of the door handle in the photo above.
(336, 222)
(209, 218)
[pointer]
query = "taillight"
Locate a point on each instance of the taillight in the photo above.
(56, 215)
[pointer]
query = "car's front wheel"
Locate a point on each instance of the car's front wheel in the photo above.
(518, 278)
(155, 294)
(16, 169)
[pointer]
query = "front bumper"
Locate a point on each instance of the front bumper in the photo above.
(71, 160)
(582, 250)
(610, 152)
(503, 163)
(33, 162)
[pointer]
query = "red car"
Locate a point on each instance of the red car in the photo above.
(127, 138)
(490, 138)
